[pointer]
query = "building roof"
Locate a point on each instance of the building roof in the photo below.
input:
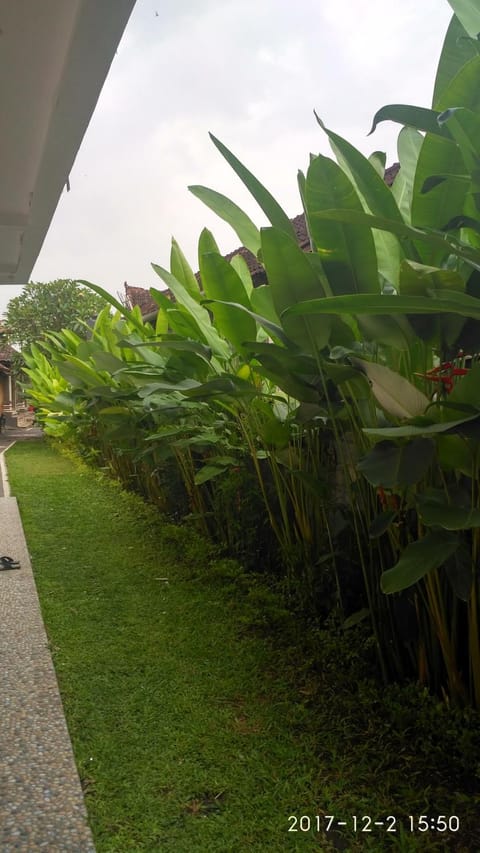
(54, 59)
(391, 173)
(255, 267)
(141, 297)
(7, 353)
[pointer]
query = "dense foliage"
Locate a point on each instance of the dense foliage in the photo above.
(50, 306)
(347, 388)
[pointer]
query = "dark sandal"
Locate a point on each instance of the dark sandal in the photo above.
(7, 563)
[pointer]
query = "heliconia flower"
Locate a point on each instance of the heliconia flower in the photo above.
(444, 374)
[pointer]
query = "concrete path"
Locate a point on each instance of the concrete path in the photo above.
(41, 802)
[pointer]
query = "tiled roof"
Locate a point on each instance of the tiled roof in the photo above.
(7, 352)
(255, 268)
(391, 173)
(140, 296)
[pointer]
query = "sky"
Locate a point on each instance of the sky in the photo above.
(250, 72)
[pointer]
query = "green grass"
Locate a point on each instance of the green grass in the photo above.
(201, 712)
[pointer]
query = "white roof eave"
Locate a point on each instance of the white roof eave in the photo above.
(49, 95)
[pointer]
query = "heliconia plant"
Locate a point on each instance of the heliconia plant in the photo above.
(348, 385)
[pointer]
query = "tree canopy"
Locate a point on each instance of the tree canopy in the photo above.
(50, 307)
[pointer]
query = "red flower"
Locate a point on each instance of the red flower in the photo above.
(445, 374)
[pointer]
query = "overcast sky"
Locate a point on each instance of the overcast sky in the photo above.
(251, 72)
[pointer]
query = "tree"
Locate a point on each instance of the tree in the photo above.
(50, 307)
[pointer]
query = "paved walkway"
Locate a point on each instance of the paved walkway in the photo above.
(41, 802)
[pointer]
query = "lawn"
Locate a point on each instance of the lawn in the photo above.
(203, 714)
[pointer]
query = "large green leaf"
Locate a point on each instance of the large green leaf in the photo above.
(116, 411)
(216, 465)
(468, 13)
(246, 230)
(395, 394)
(421, 280)
(183, 272)
(80, 374)
(227, 385)
(290, 383)
(264, 199)
(381, 523)
(347, 251)
(220, 281)
(467, 389)
(433, 240)
(392, 331)
(297, 362)
(464, 125)
(149, 383)
(180, 356)
(240, 266)
(294, 373)
(371, 186)
(395, 466)
(378, 159)
(106, 330)
(446, 200)
(161, 323)
(171, 343)
(424, 426)
(409, 144)
(455, 454)
(200, 315)
(107, 361)
(85, 349)
(418, 559)
(206, 244)
(134, 349)
(434, 514)
(443, 157)
(276, 331)
(291, 279)
(377, 198)
(261, 300)
(179, 319)
(444, 302)
(457, 50)
(459, 572)
(64, 402)
(463, 90)
(420, 118)
(275, 434)
(292, 386)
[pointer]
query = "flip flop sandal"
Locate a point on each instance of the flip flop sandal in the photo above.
(7, 563)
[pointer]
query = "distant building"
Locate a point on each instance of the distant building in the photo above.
(8, 387)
